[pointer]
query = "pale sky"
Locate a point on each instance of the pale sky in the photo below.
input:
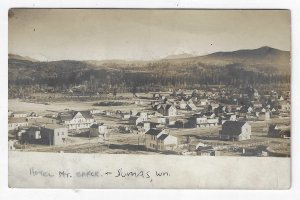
(97, 34)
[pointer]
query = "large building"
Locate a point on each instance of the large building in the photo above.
(235, 130)
(158, 139)
(50, 134)
(19, 114)
(76, 120)
(53, 134)
(16, 123)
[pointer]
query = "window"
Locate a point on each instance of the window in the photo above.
(57, 133)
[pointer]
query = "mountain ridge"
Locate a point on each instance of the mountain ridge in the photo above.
(237, 53)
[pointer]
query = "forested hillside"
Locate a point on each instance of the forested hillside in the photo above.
(260, 66)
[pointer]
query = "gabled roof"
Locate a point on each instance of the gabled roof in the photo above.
(182, 101)
(154, 131)
(165, 106)
(162, 136)
(168, 106)
(191, 104)
(85, 114)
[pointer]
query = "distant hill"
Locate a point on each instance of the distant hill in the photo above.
(179, 56)
(264, 57)
(18, 57)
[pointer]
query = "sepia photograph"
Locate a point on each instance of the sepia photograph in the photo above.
(187, 84)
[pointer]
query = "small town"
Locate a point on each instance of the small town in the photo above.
(214, 120)
(140, 82)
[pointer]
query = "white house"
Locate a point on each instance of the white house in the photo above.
(76, 120)
(203, 121)
(182, 104)
(19, 114)
(203, 102)
(15, 123)
(95, 111)
(126, 116)
(157, 139)
(214, 105)
(280, 98)
(167, 109)
(284, 106)
(148, 125)
(138, 119)
(235, 130)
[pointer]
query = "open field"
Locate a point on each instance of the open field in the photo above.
(18, 105)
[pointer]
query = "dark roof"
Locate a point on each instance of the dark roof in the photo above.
(96, 125)
(33, 128)
(150, 122)
(205, 148)
(63, 116)
(153, 131)
(133, 118)
(168, 106)
(232, 128)
(272, 126)
(165, 106)
(163, 136)
(206, 114)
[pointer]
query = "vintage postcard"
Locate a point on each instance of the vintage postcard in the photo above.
(149, 98)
